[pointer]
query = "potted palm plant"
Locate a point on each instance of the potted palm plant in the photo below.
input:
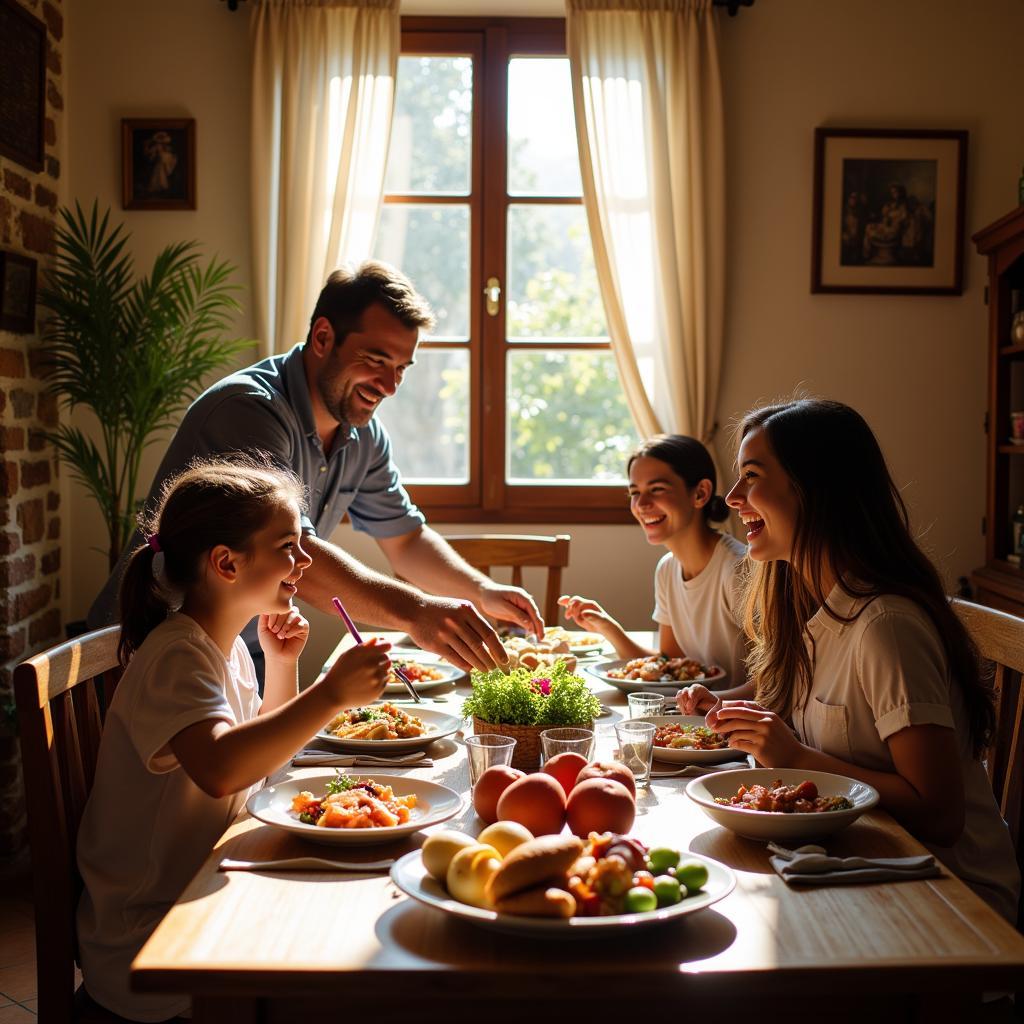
(134, 352)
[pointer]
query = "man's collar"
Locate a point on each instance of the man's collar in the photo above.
(302, 403)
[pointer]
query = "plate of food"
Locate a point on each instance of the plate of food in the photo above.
(781, 804)
(386, 728)
(656, 672)
(536, 904)
(578, 642)
(333, 807)
(685, 739)
(423, 674)
(544, 653)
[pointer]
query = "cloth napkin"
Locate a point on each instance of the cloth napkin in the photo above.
(324, 758)
(810, 865)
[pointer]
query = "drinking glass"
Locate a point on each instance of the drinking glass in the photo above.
(636, 747)
(557, 741)
(644, 705)
(486, 750)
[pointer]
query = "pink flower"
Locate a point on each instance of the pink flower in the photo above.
(540, 685)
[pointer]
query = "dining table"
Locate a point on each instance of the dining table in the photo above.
(274, 946)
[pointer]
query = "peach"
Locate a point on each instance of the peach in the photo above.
(537, 801)
(565, 767)
(600, 805)
(489, 787)
(608, 770)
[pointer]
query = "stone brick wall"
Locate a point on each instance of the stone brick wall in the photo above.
(30, 552)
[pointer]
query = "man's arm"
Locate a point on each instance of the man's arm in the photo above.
(425, 558)
(448, 626)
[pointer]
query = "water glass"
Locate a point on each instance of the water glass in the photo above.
(636, 747)
(558, 741)
(486, 750)
(644, 705)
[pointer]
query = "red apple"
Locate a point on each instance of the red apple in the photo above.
(565, 767)
(489, 788)
(609, 770)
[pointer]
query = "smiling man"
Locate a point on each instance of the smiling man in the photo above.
(312, 410)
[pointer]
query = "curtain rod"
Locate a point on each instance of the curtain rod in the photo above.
(732, 6)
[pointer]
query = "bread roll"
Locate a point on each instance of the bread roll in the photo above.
(533, 863)
(542, 901)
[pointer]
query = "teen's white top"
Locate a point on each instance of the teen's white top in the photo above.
(885, 671)
(704, 612)
(148, 827)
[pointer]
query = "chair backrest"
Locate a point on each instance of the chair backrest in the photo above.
(62, 696)
(1000, 640)
(485, 551)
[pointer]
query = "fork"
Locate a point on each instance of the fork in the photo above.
(303, 864)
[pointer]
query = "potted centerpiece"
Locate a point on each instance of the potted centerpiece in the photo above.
(524, 702)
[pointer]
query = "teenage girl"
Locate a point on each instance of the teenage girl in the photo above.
(696, 584)
(187, 738)
(860, 664)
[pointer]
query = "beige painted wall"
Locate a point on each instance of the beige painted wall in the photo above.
(914, 366)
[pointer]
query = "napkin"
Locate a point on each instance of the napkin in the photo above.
(324, 758)
(810, 865)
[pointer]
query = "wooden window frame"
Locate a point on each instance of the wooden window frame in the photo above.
(488, 498)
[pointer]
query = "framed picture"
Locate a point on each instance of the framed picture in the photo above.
(158, 163)
(17, 293)
(888, 211)
(22, 85)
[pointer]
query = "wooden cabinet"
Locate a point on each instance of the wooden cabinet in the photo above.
(1000, 581)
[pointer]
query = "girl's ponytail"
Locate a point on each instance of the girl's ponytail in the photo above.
(144, 603)
(716, 510)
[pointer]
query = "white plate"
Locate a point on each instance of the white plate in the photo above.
(779, 826)
(438, 726)
(409, 874)
(451, 675)
(593, 644)
(683, 755)
(434, 804)
(600, 671)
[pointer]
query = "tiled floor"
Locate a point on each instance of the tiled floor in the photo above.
(17, 952)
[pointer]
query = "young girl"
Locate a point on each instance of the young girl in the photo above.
(861, 666)
(186, 738)
(672, 495)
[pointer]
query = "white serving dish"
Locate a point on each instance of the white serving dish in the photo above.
(412, 878)
(600, 671)
(685, 755)
(272, 805)
(779, 826)
(438, 726)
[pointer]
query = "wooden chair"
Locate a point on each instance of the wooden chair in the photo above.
(487, 550)
(62, 696)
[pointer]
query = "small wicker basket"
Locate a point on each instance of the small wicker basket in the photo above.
(526, 753)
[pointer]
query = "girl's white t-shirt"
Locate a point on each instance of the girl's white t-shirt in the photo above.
(147, 827)
(880, 673)
(704, 612)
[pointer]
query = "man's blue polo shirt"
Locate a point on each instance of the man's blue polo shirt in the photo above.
(267, 407)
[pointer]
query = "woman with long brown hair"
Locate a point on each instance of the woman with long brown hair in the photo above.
(860, 665)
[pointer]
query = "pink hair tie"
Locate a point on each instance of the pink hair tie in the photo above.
(153, 540)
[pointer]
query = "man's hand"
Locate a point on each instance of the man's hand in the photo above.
(511, 604)
(458, 632)
(282, 636)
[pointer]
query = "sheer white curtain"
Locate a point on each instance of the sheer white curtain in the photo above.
(322, 98)
(647, 97)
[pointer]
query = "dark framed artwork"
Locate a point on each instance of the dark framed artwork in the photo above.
(17, 293)
(888, 212)
(22, 85)
(158, 163)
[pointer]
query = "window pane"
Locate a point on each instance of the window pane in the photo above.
(552, 282)
(431, 133)
(542, 155)
(430, 244)
(567, 418)
(435, 390)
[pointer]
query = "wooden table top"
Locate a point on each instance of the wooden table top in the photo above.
(275, 934)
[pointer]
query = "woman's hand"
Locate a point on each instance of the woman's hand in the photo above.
(695, 699)
(586, 613)
(754, 729)
(282, 636)
(359, 675)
